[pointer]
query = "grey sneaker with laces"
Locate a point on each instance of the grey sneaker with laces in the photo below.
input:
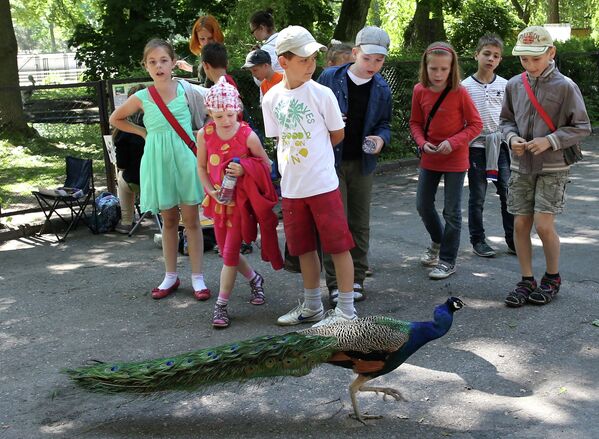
(442, 270)
(300, 314)
(431, 255)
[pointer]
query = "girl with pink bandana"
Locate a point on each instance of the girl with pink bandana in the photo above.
(219, 142)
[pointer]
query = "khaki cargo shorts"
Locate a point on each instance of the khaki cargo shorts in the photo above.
(528, 194)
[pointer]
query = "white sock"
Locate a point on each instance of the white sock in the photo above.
(313, 299)
(197, 281)
(169, 280)
(346, 303)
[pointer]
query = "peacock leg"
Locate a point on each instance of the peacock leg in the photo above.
(353, 389)
(386, 391)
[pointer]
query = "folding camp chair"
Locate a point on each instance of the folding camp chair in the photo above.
(110, 148)
(77, 193)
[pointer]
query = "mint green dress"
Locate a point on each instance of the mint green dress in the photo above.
(168, 172)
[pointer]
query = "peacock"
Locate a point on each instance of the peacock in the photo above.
(370, 346)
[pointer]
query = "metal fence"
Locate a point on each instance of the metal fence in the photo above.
(72, 118)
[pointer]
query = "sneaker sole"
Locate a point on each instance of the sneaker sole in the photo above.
(484, 255)
(439, 277)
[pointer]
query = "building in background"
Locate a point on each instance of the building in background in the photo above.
(48, 68)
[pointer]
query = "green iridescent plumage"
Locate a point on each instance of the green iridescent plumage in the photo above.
(267, 356)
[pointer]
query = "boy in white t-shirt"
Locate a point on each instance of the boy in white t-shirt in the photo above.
(306, 119)
(489, 154)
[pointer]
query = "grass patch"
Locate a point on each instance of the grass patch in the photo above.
(30, 163)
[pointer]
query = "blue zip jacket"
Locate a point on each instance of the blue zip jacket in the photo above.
(378, 113)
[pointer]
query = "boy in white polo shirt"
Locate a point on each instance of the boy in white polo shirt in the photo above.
(489, 154)
(306, 119)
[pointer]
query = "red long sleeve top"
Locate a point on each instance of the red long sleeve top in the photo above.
(457, 120)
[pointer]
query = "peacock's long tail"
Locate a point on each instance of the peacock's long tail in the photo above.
(291, 354)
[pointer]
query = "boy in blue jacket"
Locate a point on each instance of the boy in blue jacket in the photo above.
(365, 100)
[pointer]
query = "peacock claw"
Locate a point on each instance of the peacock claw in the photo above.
(386, 391)
(364, 416)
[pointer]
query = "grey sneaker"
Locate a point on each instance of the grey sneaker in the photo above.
(431, 255)
(335, 315)
(483, 249)
(442, 270)
(300, 314)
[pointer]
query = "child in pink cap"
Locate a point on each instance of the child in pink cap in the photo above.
(219, 142)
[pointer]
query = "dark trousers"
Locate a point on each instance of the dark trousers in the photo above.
(477, 183)
(447, 235)
(356, 191)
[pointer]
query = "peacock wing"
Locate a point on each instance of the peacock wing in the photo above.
(366, 335)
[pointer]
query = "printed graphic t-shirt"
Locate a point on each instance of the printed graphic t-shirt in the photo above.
(301, 119)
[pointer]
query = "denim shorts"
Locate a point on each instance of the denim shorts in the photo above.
(528, 194)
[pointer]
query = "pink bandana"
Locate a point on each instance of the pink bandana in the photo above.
(222, 96)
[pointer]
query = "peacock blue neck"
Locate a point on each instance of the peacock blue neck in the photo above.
(420, 334)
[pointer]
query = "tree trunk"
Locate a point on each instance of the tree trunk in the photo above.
(11, 107)
(553, 12)
(524, 8)
(351, 19)
(426, 26)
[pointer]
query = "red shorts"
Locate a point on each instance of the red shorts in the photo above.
(303, 217)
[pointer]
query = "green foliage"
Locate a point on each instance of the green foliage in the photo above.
(315, 15)
(484, 16)
(394, 17)
(46, 25)
(113, 46)
(577, 45)
(28, 163)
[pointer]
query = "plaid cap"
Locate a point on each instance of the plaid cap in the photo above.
(222, 96)
(533, 41)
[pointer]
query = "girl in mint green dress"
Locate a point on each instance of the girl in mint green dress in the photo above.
(169, 181)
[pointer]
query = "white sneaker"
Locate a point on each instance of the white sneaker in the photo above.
(430, 258)
(300, 314)
(442, 270)
(335, 315)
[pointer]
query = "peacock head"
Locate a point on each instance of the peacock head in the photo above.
(454, 303)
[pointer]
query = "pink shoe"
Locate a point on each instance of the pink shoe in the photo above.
(202, 294)
(158, 293)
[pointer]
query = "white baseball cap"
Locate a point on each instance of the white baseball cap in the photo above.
(373, 40)
(532, 41)
(297, 40)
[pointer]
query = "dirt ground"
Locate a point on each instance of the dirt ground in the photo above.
(510, 373)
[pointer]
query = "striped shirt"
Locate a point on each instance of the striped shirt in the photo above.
(488, 99)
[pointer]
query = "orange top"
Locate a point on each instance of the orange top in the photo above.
(267, 84)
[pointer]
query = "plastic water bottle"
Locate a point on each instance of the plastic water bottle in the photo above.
(227, 189)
